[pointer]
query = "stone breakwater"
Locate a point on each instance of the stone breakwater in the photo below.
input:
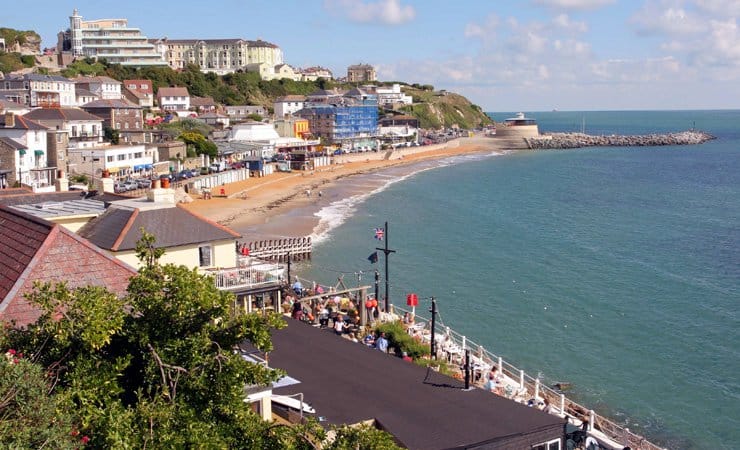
(576, 140)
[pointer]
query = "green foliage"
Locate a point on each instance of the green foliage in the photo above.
(10, 62)
(401, 341)
(199, 143)
(254, 116)
(85, 67)
(29, 416)
(12, 36)
(28, 60)
(361, 437)
(112, 135)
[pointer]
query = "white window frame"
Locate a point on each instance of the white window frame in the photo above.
(201, 259)
(547, 445)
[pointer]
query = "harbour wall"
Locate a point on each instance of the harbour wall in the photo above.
(556, 141)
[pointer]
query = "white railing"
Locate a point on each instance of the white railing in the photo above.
(279, 249)
(521, 387)
(247, 277)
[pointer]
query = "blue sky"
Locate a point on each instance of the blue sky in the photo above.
(529, 55)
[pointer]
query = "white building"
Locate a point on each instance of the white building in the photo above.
(173, 99)
(111, 39)
(36, 90)
(287, 105)
(119, 160)
(392, 95)
(104, 88)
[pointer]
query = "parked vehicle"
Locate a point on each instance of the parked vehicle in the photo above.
(131, 185)
(144, 183)
(119, 187)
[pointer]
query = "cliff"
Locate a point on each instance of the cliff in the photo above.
(23, 42)
(437, 109)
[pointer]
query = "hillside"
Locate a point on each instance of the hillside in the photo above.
(21, 46)
(437, 109)
(433, 109)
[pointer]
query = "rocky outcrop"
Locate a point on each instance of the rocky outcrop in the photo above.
(576, 140)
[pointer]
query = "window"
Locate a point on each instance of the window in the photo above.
(205, 254)
(549, 445)
(138, 155)
(120, 157)
(74, 131)
(109, 158)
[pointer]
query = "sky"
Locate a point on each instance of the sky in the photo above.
(521, 55)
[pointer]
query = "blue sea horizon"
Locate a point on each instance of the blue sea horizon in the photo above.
(615, 269)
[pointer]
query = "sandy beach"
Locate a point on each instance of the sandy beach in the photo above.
(253, 206)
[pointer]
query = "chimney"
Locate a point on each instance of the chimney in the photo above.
(9, 119)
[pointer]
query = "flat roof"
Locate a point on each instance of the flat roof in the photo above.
(347, 383)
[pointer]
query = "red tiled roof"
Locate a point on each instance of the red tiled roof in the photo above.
(33, 249)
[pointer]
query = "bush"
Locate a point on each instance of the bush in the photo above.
(400, 340)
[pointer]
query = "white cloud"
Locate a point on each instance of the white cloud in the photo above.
(573, 4)
(661, 18)
(563, 21)
(387, 12)
(722, 8)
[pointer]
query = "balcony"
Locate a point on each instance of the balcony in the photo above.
(256, 276)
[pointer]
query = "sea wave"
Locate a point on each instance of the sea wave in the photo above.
(336, 213)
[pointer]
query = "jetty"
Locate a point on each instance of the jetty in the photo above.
(559, 141)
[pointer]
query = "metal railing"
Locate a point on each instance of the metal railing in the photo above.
(530, 387)
(247, 277)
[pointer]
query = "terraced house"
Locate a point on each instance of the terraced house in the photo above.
(218, 55)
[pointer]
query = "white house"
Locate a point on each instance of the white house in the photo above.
(119, 160)
(23, 154)
(392, 95)
(104, 88)
(287, 105)
(173, 99)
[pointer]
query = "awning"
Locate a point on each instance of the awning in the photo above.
(22, 151)
(139, 167)
(114, 169)
(38, 152)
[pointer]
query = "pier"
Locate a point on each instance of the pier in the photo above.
(294, 249)
(559, 141)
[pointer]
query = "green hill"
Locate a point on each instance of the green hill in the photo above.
(433, 109)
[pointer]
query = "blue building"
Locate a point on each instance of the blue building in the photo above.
(350, 120)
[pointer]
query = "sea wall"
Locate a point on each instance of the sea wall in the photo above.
(577, 140)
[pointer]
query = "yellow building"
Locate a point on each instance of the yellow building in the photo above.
(294, 127)
(218, 55)
(188, 239)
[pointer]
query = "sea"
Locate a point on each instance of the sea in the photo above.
(616, 270)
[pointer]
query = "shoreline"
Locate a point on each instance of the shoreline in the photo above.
(282, 204)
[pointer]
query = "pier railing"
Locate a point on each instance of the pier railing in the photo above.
(279, 249)
(521, 386)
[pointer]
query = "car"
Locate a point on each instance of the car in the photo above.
(194, 173)
(184, 174)
(119, 187)
(213, 168)
(144, 183)
(131, 185)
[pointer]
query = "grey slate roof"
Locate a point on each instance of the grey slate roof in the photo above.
(348, 382)
(119, 228)
(65, 208)
(113, 104)
(63, 114)
(12, 143)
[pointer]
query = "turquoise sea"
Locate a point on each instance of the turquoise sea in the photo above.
(614, 269)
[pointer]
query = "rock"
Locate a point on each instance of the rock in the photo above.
(578, 140)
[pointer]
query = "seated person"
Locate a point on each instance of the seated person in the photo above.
(369, 340)
(495, 382)
(339, 324)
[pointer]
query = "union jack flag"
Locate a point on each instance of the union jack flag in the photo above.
(379, 232)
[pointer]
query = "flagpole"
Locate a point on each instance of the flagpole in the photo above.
(386, 251)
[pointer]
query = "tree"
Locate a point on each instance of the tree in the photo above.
(156, 369)
(199, 143)
(112, 135)
(254, 116)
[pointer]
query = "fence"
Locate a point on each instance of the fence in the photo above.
(242, 277)
(279, 249)
(533, 388)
